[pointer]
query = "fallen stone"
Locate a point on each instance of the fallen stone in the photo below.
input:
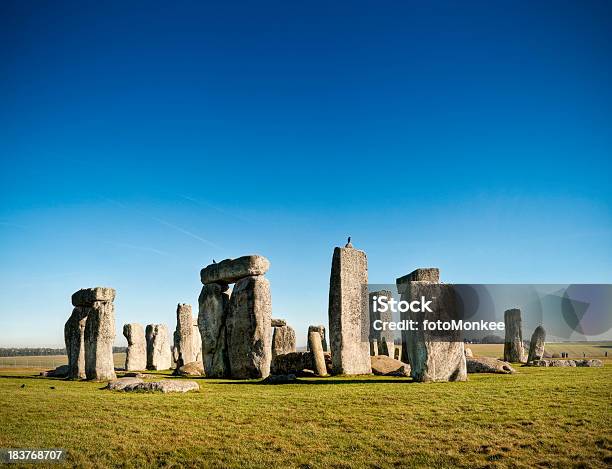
(159, 354)
(297, 363)
(567, 363)
(59, 372)
(536, 346)
(232, 270)
(383, 365)
(190, 369)
(165, 386)
(321, 330)
(120, 384)
(488, 365)
(88, 296)
(278, 322)
(348, 312)
(283, 340)
(248, 328)
(513, 343)
(134, 375)
(99, 340)
(280, 379)
(136, 355)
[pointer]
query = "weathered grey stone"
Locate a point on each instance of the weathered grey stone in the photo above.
(190, 369)
(99, 340)
(280, 379)
(248, 328)
(384, 365)
(165, 386)
(232, 270)
(536, 346)
(278, 322)
(488, 365)
(74, 336)
(184, 343)
(283, 340)
(88, 296)
(567, 363)
(134, 374)
(121, 383)
(468, 353)
(316, 348)
(513, 343)
(59, 372)
(349, 313)
(136, 356)
(433, 355)
(321, 330)
(159, 355)
(214, 305)
(297, 363)
(381, 342)
(197, 341)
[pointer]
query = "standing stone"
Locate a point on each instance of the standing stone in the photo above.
(433, 355)
(99, 340)
(536, 346)
(213, 305)
(513, 343)
(197, 341)
(348, 312)
(316, 347)
(382, 341)
(428, 274)
(74, 336)
(321, 330)
(183, 336)
(248, 328)
(159, 355)
(283, 340)
(136, 356)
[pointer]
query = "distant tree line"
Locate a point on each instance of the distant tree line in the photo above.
(41, 351)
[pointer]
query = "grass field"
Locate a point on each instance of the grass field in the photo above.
(539, 417)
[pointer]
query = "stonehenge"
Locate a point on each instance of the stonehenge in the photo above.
(536, 346)
(432, 355)
(513, 342)
(89, 334)
(136, 356)
(159, 354)
(298, 363)
(283, 338)
(488, 365)
(236, 327)
(316, 348)
(381, 342)
(348, 312)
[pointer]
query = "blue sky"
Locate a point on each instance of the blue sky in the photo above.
(140, 140)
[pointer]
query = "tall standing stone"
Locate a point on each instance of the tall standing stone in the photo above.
(99, 340)
(513, 343)
(248, 328)
(74, 336)
(159, 354)
(184, 344)
(536, 346)
(197, 340)
(348, 312)
(136, 356)
(213, 305)
(382, 341)
(283, 340)
(316, 348)
(433, 355)
(321, 330)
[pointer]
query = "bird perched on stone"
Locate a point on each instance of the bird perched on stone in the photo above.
(348, 243)
(214, 261)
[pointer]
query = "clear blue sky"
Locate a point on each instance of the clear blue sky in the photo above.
(139, 140)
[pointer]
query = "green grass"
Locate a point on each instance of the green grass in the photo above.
(538, 417)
